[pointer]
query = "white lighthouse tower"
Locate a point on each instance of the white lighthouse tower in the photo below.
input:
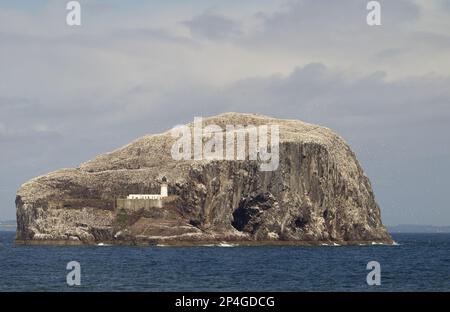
(164, 191)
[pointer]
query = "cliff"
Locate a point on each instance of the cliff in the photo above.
(319, 193)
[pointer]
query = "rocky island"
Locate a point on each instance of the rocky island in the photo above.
(318, 194)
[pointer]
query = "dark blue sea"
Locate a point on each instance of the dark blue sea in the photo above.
(421, 262)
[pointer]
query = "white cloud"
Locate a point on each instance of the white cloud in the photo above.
(213, 26)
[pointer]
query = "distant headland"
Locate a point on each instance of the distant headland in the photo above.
(414, 228)
(8, 225)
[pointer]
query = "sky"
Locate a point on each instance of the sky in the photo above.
(132, 68)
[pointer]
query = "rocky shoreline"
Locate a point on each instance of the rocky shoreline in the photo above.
(207, 243)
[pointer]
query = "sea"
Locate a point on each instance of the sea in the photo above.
(418, 262)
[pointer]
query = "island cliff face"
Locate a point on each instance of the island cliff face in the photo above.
(318, 194)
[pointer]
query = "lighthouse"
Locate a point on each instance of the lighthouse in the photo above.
(164, 191)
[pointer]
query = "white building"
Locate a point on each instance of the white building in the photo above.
(164, 193)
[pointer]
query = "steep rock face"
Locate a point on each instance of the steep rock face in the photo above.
(319, 193)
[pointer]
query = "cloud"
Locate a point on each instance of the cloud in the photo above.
(25, 135)
(326, 19)
(213, 26)
(336, 33)
(444, 4)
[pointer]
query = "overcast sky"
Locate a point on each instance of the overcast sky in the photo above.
(139, 67)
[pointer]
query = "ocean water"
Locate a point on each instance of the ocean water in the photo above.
(421, 262)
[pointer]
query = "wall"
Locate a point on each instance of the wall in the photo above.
(136, 204)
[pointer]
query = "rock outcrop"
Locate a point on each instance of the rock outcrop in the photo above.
(318, 194)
